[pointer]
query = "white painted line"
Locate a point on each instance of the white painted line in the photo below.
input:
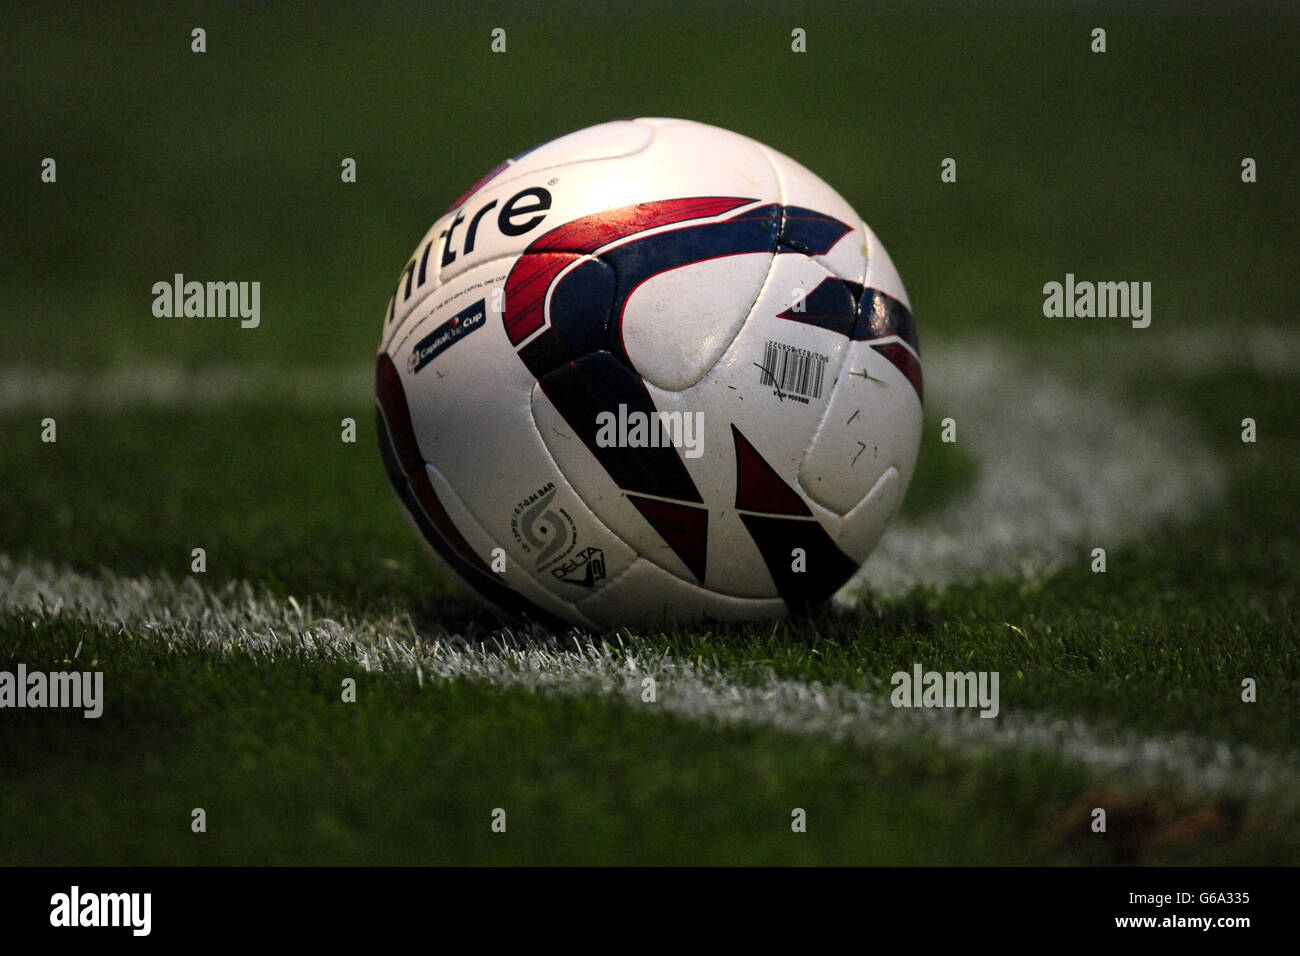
(1061, 470)
(186, 615)
(1264, 350)
(169, 385)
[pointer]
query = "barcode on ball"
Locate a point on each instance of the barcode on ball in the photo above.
(793, 371)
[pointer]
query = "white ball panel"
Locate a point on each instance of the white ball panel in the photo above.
(669, 168)
(863, 526)
(873, 423)
(881, 273)
(471, 413)
(678, 323)
(649, 595)
(847, 259)
(734, 565)
(604, 141)
(515, 575)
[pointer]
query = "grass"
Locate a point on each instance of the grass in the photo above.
(285, 772)
(225, 165)
(304, 512)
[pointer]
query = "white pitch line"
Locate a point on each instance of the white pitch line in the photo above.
(1267, 351)
(1061, 469)
(25, 388)
(236, 616)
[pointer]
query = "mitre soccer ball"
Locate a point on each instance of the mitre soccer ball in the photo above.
(650, 371)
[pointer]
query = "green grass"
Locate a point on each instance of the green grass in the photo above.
(271, 494)
(226, 166)
(286, 772)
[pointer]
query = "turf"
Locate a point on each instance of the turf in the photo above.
(1122, 166)
(408, 774)
(304, 512)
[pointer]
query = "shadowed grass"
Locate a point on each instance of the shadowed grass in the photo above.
(226, 166)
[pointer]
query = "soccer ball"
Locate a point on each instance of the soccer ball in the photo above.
(649, 371)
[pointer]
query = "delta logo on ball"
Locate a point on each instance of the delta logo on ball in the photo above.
(650, 371)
